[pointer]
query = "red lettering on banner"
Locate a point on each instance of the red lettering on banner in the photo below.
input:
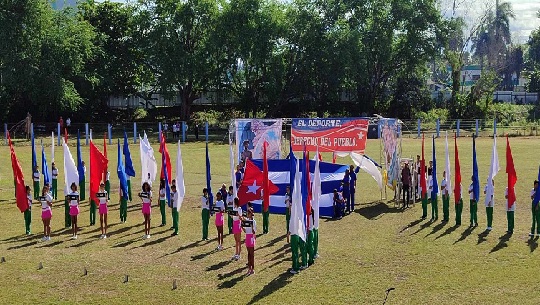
(342, 135)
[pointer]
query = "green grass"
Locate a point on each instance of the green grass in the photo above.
(375, 248)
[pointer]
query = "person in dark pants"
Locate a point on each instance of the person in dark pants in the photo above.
(406, 183)
(196, 132)
(352, 183)
(345, 183)
(338, 201)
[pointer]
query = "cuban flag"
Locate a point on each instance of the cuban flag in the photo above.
(279, 172)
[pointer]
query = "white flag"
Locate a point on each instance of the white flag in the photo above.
(447, 169)
(296, 224)
(368, 166)
(232, 164)
(316, 191)
(70, 170)
(180, 185)
(493, 170)
(148, 161)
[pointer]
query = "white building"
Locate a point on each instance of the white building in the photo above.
(61, 4)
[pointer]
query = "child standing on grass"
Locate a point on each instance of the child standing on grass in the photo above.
(162, 202)
(46, 212)
(123, 206)
(35, 177)
(230, 207)
(74, 209)
(535, 211)
(237, 229)
(473, 206)
(220, 208)
(509, 213)
(28, 211)
(205, 214)
(175, 215)
(108, 184)
(250, 228)
(288, 210)
(103, 196)
(54, 181)
(146, 197)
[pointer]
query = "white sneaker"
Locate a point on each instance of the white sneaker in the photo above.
(74, 237)
(531, 234)
(148, 236)
(48, 238)
(44, 238)
(104, 236)
(101, 236)
(489, 228)
(292, 271)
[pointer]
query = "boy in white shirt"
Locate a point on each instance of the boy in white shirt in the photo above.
(489, 206)
(175, 215)
(473, 206)
(445, 199)
(535, 212)
(509, 213)
(205, 214)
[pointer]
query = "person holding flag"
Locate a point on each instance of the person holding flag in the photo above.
(162, 203)
(288, 204)
(36, 178)
(510, 193)
(28, 211)
(174, 204)
(265, 192)
(123, 190)
(434, 187)
(423, 186)
(535, 197)
(205, 213)
(81, 168)
(489, 190)
(458, 196)
(445, 198)
(297, 227)
(179, 192)
(474, 189)
(130, 171)
(54, 181)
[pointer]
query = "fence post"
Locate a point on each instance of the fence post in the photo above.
(206, 130)
(86, 132)
(109, 131)
(5, 133)
(134, 132)
(495, 127)
(58, 131)
(438, 126)
(477, 127)
(159, 132)
(458, 125)
(183, 132)
(419, 127)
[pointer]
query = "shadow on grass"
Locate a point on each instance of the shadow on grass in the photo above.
(284, 247)
(23, 245)
(156, 241)
(410, 225)
(122, 230)
(374, 211)
(482, 237)
(533, 243)
(51, 244)
(448, 231)
(218, 265)
(277, 283)
(126, 243)
(84, 243)
(230, 283)
(503, 243)
(202, 255)
(436, 228)
(272, 242)
(422, 227)
(188, 246)
(465, 234)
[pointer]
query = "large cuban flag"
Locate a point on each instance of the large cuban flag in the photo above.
(278, 172)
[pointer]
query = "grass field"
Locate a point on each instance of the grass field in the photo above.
(373, 249)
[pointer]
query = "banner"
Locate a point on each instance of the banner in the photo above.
(254, 132)
(389, 129)
(343, 135)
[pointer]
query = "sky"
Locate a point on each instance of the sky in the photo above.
(521, 27)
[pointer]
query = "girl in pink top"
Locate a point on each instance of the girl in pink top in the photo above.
(250, 231)
(219, 208)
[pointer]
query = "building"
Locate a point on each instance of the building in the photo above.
(61, 4)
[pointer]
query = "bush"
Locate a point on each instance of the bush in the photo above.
(432, 115)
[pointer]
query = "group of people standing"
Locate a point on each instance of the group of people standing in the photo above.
(344, 197)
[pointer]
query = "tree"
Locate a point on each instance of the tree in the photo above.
(533, 61)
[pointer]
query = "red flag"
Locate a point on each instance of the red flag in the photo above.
(512, 177)
(423, 171)
(65, 135)
(266, 184)
(20, 187)
(98, 165)
(163, 150)
(252, 184)
(457, 184)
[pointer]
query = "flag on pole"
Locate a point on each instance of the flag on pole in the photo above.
(252, 187)
(122, 174)
(71, 174)
(80, 167)
(20, 187)
(457, 187)
(367, 165)
(45, 168)
(448, 176)
(292, 166)
(493, 170)
(148, 161)
(423, 171)
(98, 166)
(130, 171)
(512, 176)
(536, 198)
(165, 169)
(34, 158)
(306, 187)
(209, 178)
(475, 178)
(435, 189)
(52, 146)
(316, 191)
(180, 185)
(296, 224)
(232, 169)
(266, 180)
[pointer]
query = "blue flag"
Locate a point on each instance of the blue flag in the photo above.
(475, 179)
(435, 189)
(122, 175)
(536, 198)
(130, 171)
(80, 168)
(166, 174)
(34, 158)
(44, 167)
(209, 179)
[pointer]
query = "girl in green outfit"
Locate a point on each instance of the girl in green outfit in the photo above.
(162, 203)
(288, 211)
